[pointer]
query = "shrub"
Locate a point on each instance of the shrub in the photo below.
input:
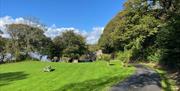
(105, 57)
(65, 59)
(155, 57)
(83, 57)
(124, 56)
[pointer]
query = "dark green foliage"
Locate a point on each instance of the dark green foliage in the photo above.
(169, 40)
(2, 44)
(147, 28)
(48, 47)
(2, 49)
(70, 44)
(130, 28)
(25, 39)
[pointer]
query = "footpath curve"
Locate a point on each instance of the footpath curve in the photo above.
(144, 79)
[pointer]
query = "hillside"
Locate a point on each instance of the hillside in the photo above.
(145, 30)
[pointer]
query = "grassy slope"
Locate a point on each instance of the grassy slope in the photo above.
(28, 76)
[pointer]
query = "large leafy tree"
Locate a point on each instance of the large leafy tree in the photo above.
(134, 23)
(149, 28)
(70, 44)
(168, 39)
(25, 38)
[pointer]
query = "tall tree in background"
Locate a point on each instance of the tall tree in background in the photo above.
(71, 44)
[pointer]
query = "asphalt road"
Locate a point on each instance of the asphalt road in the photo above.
(145, 79)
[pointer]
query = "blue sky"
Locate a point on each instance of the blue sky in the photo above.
(80, 14)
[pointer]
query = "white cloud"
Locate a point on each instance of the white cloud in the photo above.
(94, 35)
(3, 21)
(91, 37)
(52, 31)
(9, 20)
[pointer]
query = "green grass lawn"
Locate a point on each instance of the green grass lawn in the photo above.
(29, 76)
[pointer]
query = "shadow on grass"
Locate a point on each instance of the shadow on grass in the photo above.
(167, 83)
(91, 85)
(9, 77)
(112, 64)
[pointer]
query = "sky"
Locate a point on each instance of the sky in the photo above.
(88, 17)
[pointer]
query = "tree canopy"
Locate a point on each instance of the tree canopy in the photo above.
(149, 28)
(25, 38)
(71, 44)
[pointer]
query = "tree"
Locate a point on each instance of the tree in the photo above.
(46, 47)
(72, 44)
(24, 39)
(129, 28)
(149, 28)
(1, 42)
(168, 40)
(93, 47)
(2, 47)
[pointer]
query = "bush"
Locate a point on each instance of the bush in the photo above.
(124, 56)
(83, 57)
(105, 57)
(155, 57)
(65, 59)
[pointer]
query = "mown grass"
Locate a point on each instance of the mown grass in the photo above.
(28, 76)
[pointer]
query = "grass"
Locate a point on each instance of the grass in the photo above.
(28, 76)
(168, 84)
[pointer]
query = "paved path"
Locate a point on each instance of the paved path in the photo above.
(145, 79)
